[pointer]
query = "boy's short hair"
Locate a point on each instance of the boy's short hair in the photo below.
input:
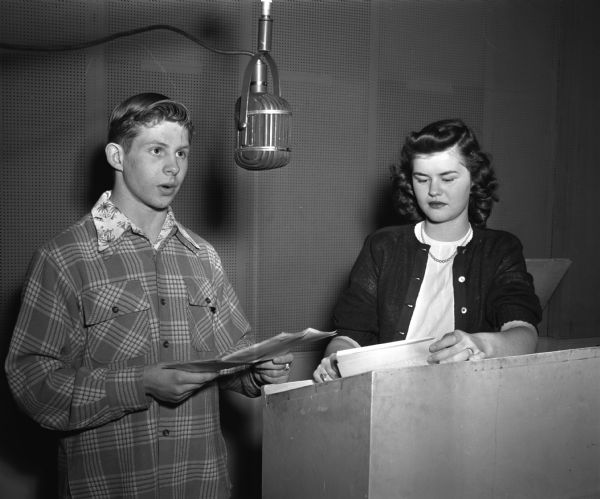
(145, 109)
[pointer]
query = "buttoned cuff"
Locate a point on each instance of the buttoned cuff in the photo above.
(251, 386)
(125, 389)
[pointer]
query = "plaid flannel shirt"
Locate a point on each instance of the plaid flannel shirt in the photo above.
(100, 303)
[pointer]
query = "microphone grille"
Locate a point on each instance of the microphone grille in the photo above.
(263, 144)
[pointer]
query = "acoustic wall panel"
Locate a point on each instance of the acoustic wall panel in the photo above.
(358, 74)
(432, 41)
(44, 180)
(429, 69)
(576, 212)
(328, 38)
(41, 146)
(520, 116)
(309, 216)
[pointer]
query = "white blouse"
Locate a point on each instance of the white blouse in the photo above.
(434, 310)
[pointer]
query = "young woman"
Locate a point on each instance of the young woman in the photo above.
(444, 275)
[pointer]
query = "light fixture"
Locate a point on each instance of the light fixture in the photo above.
(263, 119)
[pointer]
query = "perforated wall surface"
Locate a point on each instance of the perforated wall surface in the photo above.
(39, 134)
(358, 75)
(309, 214)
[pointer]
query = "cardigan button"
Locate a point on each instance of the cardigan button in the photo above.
(463, 310)
(462, 278)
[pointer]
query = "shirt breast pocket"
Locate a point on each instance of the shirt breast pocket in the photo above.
(117, 323)
(202, 314)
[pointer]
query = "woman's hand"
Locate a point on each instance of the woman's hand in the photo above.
(456, 346)
(327, 369)
(514, 338)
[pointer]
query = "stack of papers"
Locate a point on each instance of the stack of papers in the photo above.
(259, 352)
(384, 356)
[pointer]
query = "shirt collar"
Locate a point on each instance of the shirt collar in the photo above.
(111, 223)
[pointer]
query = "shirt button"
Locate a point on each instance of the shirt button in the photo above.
(461, 278)
(166, 344)
(115, 309)
(163, 301)
(463, 310)
(409, 305)
(165, 433)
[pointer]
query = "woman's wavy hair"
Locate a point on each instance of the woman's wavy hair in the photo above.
(437, 137)
(146, 109)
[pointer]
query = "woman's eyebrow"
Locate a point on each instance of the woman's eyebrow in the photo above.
(448, 172)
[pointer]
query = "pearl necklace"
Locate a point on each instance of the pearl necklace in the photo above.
(445, 260)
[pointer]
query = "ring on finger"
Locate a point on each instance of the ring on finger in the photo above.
(323, 376)
(287, 366)
(470, 352)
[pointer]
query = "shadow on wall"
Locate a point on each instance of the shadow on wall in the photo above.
(242, 429)
(385, 213)
(27, 451)
(214, 196)
(100, 175)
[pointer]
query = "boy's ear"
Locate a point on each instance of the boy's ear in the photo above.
(114, 155)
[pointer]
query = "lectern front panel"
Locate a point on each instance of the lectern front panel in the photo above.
(518, 427)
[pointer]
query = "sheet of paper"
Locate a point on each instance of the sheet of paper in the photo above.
(204, 366)
(277, 345)
(391, 355)
(264, 350)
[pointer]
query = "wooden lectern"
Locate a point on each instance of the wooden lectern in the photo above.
(513, 427)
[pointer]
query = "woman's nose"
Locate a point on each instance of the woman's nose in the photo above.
(434, 188)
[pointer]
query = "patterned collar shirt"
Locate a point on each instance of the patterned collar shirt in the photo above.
(100, 303)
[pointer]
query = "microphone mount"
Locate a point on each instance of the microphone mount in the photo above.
(263, 119)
